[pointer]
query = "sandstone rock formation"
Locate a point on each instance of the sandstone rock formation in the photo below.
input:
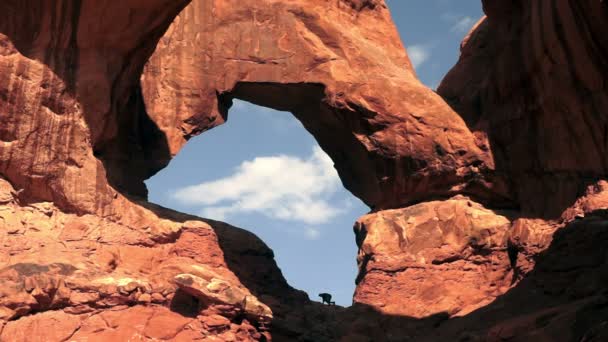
(441, 256)
(67, 76)
(92, 278)
(531, 83)
(490, 216)
(77, 256)
(528, 85)
(393, 140)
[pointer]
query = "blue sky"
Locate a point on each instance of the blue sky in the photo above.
(262, 171)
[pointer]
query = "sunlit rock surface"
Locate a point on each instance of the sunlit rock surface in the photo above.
(434, 257)
(393, 140)
(490, 202)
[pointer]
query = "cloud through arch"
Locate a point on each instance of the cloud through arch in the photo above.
(281, 187)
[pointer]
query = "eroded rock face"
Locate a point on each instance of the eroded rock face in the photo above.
(81, 128)
(530, 81)
(77, 257)
(393, 140)
(442, 256)
(98, 279)
(528, 84)
(562, 299)
(67, 72)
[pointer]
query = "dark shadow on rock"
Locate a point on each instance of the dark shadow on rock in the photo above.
(121, 133)
(564, 298)
(569, 285)
(184, 304)
(544, 127)
(139, 147)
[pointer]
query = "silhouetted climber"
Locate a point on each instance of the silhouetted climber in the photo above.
(512, 251)
(326, 297)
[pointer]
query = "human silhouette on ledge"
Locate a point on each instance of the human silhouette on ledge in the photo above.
(326, 297)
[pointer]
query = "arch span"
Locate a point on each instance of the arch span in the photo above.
(393, 140)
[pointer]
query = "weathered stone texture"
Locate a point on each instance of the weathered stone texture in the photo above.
(393, 140)
(531, 82)
(489, 197)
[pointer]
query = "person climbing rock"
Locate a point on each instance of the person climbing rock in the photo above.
(326, 298)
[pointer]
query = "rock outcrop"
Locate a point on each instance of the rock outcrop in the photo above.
(531, 83)
(393, 140)
(79, 260)
(92, 278)
(441, 256)
(489, 198)
(67, 78)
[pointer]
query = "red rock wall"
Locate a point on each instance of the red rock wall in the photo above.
(530, 85)
(531, 81)
(67, 71)
(79, 260)
(393, 140)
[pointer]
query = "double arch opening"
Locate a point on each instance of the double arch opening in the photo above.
(315, 253)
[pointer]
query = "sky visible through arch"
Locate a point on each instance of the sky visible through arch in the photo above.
(262, 171)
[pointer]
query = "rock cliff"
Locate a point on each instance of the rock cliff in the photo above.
(530, 83)
(489, 197)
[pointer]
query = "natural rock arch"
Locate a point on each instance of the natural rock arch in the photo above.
(70, 93)
(393, 140)
(398, 142)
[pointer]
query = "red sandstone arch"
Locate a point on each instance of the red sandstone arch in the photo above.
(72, 113)
(393, 141)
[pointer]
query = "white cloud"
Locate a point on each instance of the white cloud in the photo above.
(312, 233)
(281, 187)
(449, 17)
(419, 54)
(460, 23)
(216, 213)
(463, 25)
